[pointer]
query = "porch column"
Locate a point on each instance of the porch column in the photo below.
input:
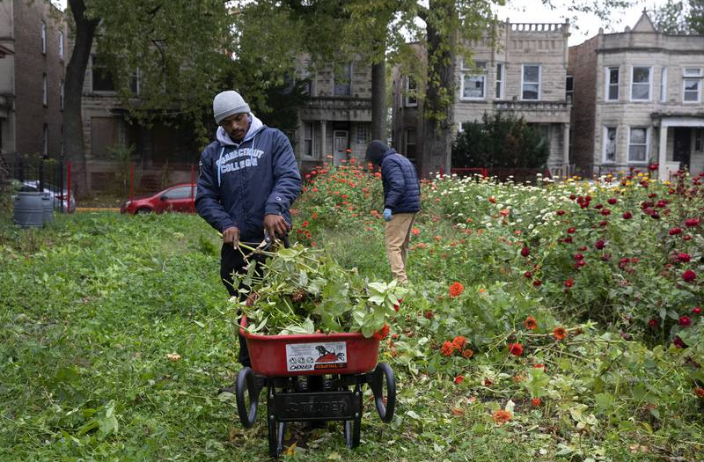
(566, 148)
(662, 153)
(323, 137)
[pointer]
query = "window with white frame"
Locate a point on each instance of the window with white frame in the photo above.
(362, 133)
(61, 45)
(499, 80)
(45, 90)
(411, 92)
(343, 80)
(638, 145)
(308, 139)
(609, 145)
(530, 82)
(612, 78)
(43, 37)
(691, 84)
(663, 84)
(61, 95)
(641, 78)
(474, 80)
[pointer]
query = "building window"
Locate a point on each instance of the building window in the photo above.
(61, 45)
(45, 140)
(612, 74)
(61, 95)
(411, 92)
(411, 144)
(609, 145)
(45, 91)
(343, 81)
(473, 81)
(569, 88)
(698, 135)
(530, 82)
(135, 83)
(308, 140)
(102, 80)
(499, 80)
(362, 134)
(638, 145)
(663, 85)
(692, 78)
(43, 37)
(640, 83)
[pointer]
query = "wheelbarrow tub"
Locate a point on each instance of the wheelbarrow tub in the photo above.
(310, 354)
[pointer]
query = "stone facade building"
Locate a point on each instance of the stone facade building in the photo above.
(335, 123)
(638, 100)
(524, 74)
(33, 34)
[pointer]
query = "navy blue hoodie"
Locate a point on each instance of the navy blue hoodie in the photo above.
(239, 183)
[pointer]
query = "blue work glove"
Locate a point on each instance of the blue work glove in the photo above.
(387, 214)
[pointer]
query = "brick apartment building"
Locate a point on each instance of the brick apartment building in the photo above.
(637, 100)
(523, 74)
(33, 34)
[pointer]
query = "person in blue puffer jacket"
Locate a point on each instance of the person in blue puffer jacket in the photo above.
(248, 181)
(401, 203)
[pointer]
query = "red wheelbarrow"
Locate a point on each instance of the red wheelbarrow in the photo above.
(286, 365)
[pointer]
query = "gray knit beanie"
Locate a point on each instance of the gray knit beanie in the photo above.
(228, 103)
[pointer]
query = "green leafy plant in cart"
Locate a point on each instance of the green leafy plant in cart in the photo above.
(303, 291)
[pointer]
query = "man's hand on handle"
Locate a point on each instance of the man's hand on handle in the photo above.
(275, 226)
(231, 236)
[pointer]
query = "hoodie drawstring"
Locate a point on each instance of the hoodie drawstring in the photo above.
(219, 164)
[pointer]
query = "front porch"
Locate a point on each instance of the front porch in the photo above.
(681, 144)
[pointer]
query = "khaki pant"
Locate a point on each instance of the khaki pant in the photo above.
(398, 234)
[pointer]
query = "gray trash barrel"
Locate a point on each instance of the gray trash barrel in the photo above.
(29, 209)
(48, 206)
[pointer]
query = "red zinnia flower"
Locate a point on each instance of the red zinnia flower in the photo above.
(560, 212)
(530, 323)
(653, 323)
(559, 333)
(540, 366)
(578, 256)
(696, 310)
(571, 230)
(447, 348)
(456, 289)
(535, 402)
(689, 276)
(459, 342)
(691, 222)
(684, 321)
(679, 343)
(627, 215)
(527, 275)
(675, 231)
(537, 283)
(600, 244)
(383, 333)
(459, 379)
(569, 283)
(699, 392)
(525, 251)
(683, 257)
(516, 349)
(612, 200)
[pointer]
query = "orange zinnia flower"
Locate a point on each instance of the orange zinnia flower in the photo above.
(559, 333)
(459, 342)
(530, 323)
(535, 402)
(501, 416)
(415, 231)
(447, 348)
(456, 289)
(467, 354)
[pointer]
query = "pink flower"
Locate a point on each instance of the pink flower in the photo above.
(689, 276)
(683, 257)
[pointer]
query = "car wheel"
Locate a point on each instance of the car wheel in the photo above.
(142, 211)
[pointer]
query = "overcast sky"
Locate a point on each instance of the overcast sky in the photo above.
(584, 27)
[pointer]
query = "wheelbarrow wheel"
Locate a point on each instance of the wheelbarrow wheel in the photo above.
(383, 374)
(247, 384)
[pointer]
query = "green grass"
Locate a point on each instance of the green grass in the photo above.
(91, 306)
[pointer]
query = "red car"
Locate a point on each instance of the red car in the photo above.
(179, 198)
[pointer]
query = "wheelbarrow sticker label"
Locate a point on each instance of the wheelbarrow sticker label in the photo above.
(316, 356)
